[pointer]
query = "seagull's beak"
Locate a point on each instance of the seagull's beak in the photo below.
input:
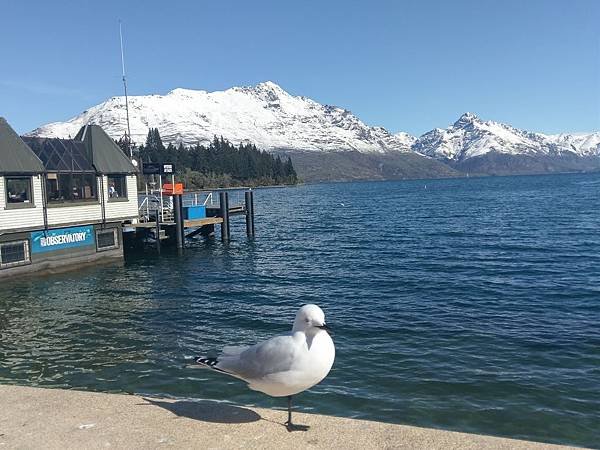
(326, 328)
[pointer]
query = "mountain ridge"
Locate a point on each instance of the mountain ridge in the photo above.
(274, 120)
(264, 115)
(470, 137)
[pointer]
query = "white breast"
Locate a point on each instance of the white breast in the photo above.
(311, 365)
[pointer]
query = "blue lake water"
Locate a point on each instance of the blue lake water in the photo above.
(467, 304)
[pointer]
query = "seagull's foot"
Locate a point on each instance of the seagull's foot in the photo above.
(294, 427)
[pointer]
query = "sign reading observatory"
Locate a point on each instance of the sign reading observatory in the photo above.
(52, 240)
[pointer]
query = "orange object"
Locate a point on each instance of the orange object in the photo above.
(168, 188)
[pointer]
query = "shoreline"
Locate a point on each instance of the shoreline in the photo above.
(58, 418)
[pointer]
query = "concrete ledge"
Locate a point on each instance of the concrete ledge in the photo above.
(66, 419)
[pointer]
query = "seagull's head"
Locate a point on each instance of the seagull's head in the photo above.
(310, 319)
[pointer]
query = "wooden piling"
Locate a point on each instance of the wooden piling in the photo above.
(224, 211)
(249, 197)
(178, 216)
(252, 204)
(157, 232)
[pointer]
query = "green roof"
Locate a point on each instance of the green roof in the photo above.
(15, 156)
(106, 155)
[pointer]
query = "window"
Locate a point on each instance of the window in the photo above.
(52, 192)
(83, 186)
(107, 239)
(70, 187)
(18, 191)
(117, 186)
(14, 254)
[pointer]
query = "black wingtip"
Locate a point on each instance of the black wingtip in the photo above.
(209, 362)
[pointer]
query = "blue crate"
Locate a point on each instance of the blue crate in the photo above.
(194, 212)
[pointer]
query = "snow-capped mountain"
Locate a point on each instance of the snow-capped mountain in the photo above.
(471, 137)
(264, 115)
(324, 139)
(582, 144)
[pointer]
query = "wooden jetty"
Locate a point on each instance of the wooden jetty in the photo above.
(174, 227)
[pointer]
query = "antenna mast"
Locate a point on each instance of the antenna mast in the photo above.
(128, 137)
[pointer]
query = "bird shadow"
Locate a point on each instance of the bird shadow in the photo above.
(207, 411)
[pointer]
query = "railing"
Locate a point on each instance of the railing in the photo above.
(236, 196)
(211, 198)
(143, 204)
(198, 198)
(152, 205)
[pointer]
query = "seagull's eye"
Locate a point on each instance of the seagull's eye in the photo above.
(307, 320)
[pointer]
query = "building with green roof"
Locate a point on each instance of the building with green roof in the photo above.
(63, 201)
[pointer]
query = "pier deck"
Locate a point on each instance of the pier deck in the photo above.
(187, 223)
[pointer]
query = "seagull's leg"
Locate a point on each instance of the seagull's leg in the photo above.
(289, 425)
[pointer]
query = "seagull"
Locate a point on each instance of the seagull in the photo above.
(284, 365)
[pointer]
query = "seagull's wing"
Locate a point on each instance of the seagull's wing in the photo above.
(269, 357)
(232, 350)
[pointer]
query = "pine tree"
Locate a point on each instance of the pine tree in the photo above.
(220, 163)
(290, 172)
(154, 140)
(123, 144)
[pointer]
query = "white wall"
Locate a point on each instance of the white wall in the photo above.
(123, 209)
(116, 210)
(78, 213)
(22, 217)
(11, 219)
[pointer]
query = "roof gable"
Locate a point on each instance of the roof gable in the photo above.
(107, 156)
(15, 156)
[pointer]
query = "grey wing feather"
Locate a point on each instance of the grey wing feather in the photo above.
(272, 356)
(232, 350)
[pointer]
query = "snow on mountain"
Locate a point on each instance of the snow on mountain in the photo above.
(470, 136)
(264, 115)
(405, 138)
(271, 118)
(580, 143)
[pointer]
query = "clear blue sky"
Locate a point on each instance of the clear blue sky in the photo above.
(405, 65)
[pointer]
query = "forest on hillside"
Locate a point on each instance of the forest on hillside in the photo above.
(221, 164)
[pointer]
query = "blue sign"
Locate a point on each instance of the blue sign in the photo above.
(51, 240)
